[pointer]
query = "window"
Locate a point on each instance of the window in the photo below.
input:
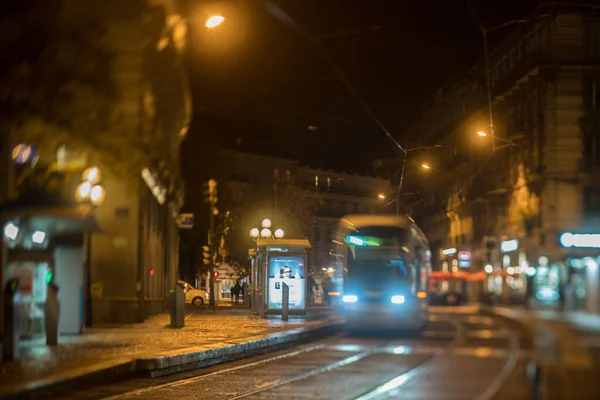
(316, 181)
(593, 40)
(592, 201)
(328, 183)
(592, 149)
(276, 173)
(288, 176)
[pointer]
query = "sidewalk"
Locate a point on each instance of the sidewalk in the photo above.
(566, 361)
(580, 320)
(152, 348)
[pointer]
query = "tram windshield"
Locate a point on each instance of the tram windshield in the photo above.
(379, 254)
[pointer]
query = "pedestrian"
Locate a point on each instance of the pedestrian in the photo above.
(236, 291)
(311, 289)
(326, 285)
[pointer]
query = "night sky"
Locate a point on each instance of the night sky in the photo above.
(259, 83)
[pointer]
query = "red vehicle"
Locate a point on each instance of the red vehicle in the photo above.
(450, 288)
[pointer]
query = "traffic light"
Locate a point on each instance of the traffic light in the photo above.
(216, 274)
(210, 192)
(206, 255)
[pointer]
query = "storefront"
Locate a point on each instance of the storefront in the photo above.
(507, 281)
(43, 246)
(581, 275)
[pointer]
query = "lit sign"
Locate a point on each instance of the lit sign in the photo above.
(362, 241)
(289, 270)
(155, 187)
(506, 246)
(568, 239)
(279, 249)
(464, 256)
(449, 252)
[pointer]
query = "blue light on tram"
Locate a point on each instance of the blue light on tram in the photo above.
(350, 299)
(398, 299)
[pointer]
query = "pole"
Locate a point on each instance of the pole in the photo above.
(488, 85)
(285, 301)
(401, 181)
(211, 234)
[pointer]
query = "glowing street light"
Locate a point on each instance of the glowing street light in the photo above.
(38, 237)
(508, 142)
(214, 21)
(90, 190)
(83, 191)
(381, 196)
(426, 166)
(265, 233)
(97, 195)
(11, 231)
(91, 175)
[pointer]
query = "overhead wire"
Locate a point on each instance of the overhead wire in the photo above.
(279, 14)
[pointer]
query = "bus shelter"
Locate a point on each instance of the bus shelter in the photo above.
(278, 261)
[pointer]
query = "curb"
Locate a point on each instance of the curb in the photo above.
(171, 362)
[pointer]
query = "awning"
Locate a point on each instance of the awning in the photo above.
(53, 220)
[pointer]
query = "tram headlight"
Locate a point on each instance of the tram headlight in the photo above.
(350, 299)
(398, 299)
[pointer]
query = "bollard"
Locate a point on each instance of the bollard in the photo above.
(177, 307)
(12, 321)
(285, 301)
(246, 291)
(52, 315)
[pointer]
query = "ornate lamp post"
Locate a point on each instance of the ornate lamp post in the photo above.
(265, 231)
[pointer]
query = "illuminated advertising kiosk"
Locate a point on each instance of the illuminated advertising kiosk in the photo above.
(281, 261)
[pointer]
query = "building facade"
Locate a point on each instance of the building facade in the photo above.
(509, 202)
(139, 238)
(245, 177)
(120, 269)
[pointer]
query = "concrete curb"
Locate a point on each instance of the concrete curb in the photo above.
(174, 361)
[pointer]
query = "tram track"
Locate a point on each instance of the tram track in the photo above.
(326, 370)
(391, 389)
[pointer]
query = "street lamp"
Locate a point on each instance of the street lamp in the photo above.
(381, 196)
(406, 150)
(214, 21)
(508, 142)
(429, 167)
(484, 34)
(90, 189)
(265, 232)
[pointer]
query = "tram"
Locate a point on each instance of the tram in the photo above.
(383, 281)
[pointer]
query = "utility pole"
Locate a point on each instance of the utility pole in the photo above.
(401, 181)
(405, 150)
(212, 199)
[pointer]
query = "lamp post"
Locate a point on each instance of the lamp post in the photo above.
(429, 167)
(92, 192)
(484, 33)
(265, 231)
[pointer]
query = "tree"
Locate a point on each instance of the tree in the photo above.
(296, 214)
(57, 86)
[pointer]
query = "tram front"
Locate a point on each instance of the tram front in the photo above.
(385, 273)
